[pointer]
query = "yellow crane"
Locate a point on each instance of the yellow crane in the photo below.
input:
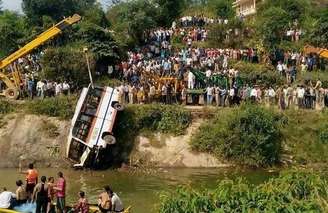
(12, 80)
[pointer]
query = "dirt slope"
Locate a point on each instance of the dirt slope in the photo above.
(42, 140)
(32, 138)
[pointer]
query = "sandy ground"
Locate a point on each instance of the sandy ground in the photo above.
(31, 138)
(167, 151)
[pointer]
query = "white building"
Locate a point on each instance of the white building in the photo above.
(245, 7)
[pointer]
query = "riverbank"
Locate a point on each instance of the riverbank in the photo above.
(149, 136)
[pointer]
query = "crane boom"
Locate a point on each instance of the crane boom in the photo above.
(41, 39)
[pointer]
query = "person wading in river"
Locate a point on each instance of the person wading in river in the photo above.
(61, 189)
(31, 178)
(40, 196)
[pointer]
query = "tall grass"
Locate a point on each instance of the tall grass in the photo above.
(291, 192)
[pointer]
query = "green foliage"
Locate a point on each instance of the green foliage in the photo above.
(66, 64)
(290, 192)
(61, 106)
(12, 29)
(100, 42)
(258, 74)
(249, 135)
(162, 118)
(319, 34)
(302, 136)
(6, 107)
(130, 19)
(297, 9)
(169, 11)
(223, 8)
(323, 134)
(273, 23)
(36, 9)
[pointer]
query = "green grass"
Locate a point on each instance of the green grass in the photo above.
(62, 106)
(302, 136)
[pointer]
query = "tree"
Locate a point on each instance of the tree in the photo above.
(223, 8)
(319, 36)
(130, 19)
(297, 9)
(57, 10)
(169, 10)
(101, 43)
(67, 63)
(272, 25)
(12, 32)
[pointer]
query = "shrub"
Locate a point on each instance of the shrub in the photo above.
(290, 192)
(249, 135)
(6, 107)
(258, 74)
(61, 106)
(323, 134)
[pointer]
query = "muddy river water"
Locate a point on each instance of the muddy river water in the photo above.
(137, 189)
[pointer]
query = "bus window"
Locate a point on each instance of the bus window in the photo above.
(76, 150)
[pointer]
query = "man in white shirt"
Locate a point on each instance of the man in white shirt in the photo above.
(272, 95)
(59, 89)
(6, 199)
(66, 88)
(117, 205)
(280, 68)
(253, 94)
(210, 92)
(191, 80)
(300, 91)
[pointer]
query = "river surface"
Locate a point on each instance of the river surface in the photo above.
(137, 189)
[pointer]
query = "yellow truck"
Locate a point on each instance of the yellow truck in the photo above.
(12, 78)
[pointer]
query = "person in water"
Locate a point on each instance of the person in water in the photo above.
(104, 201)
(82, 205)
(52, 193)
(31, 179)
(40, 196)
(21, 195)
(60, 193)
(117, 205)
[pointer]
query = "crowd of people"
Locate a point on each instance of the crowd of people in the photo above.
(44, 196)
(199, 21)
(157, 72)
(32, 87)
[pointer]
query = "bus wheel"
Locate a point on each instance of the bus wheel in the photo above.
(109, 139)
(12, 94)
(118, 107)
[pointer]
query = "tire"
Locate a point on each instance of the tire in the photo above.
(118, 107)
(12, 94)
(109, 139)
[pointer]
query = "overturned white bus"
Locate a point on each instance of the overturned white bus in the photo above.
(92, 126)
